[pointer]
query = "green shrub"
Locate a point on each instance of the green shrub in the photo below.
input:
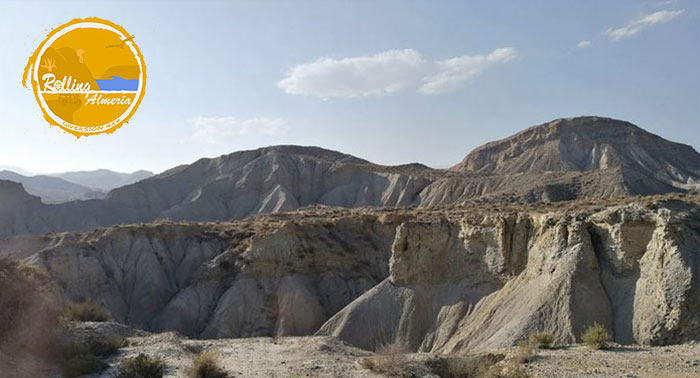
(82, 364)
(97, 347)
(206, 365)
(141, 366)
(107, 347)
(596, 336)
(85, 312)
(88, 357)
(541, 339)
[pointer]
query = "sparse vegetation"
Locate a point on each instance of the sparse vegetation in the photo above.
(89, 357)
(541, 339)
(141, 366)
(28, 321)
(85, 312)
(524, 353)
(390, 360)
(509, 370)
(478, 366)
(206, 365)
(596, 336)
(468, 366)
(83, 364)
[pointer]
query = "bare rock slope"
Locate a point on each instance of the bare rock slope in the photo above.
(566, 159)
(245, 183)
(486, 281)
(572, 158)
(269, 277)
(434, 279)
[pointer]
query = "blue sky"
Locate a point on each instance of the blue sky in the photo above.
(390, 81)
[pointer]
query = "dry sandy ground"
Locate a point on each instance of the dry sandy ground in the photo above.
(296, 357)
(288, 357)
(677, 361)
(328, 357)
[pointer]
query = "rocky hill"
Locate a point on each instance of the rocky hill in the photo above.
(245, 183)
(581, 157)
(585, 144)
(52, 189)
(487, 280)
(566, 159)
(541, 232)
(440, 280)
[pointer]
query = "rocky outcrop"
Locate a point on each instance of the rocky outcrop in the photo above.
(440, 280)
(18, 211)
(487, 281)
(259, 278)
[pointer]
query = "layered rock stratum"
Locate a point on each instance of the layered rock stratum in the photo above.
(488, 280)
(440, 280)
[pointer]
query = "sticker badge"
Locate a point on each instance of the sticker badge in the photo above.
(88, 76)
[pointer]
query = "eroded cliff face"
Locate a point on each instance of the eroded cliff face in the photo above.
(439, 280)
(487, 281)
(271, 278)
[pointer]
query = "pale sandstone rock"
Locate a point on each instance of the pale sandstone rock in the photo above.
(438, 281)
(490, 280)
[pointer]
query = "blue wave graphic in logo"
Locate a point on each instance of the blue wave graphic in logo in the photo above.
(116, 83)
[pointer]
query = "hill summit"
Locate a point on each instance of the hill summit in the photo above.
(587, 144)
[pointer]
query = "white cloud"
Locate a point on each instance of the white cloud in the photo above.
(664, 3)
(213, 129)
(386, 73)
(583, 44)
(642, 23)
(452, 73)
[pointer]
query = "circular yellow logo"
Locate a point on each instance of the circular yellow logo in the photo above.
(88, 76)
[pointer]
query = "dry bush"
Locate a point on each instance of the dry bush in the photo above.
(541, 339)
(85, 312)
(141, 366)
(509, 370)
(390, 360)
(28, 321)
(206, 365)
(524, 353)
(596, 336)
(476, 366)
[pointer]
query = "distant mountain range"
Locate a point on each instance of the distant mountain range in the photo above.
(19, 170)
(103, 179)
(71, 186)
(566, 159)
(52, 189)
